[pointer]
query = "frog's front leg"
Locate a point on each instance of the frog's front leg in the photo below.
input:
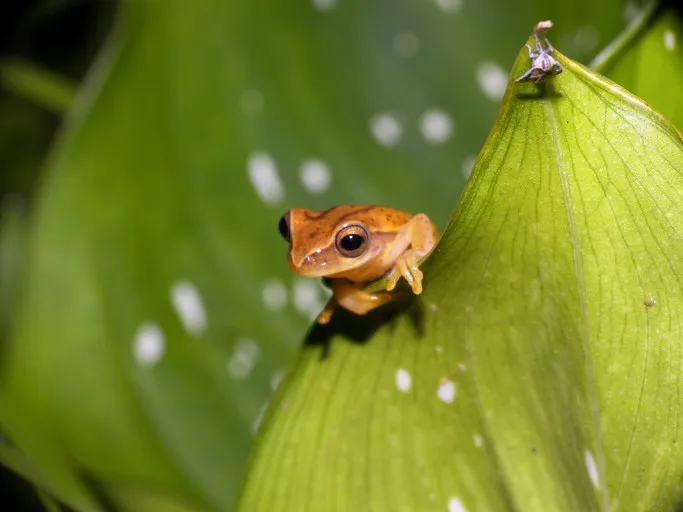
(413, 242)
(350, 296)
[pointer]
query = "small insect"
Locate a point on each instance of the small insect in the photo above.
(542, 63)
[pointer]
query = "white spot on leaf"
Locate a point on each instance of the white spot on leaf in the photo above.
(324, 5)
(436, 126)
(315, 176)
(276, 379)
(251, 101)
(274, 295)
(492, 80)
(257, 422)
(149, 345)
(669, 40)
(386, 129)
(455, 505)
(478, 441)
(467, 165)
(592, 469)
(188, 304)
(403, 380)
(306, 298)
(406, 44)
(446, 391)
(264, 178)
(449, 6)
(245, 355)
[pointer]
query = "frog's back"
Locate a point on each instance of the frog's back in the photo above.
(375, 218)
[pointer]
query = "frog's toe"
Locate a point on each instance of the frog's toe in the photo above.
(392, 280)
(324, 317)
(403, 269)
(415, 279)
(326, 314)
(410, 272)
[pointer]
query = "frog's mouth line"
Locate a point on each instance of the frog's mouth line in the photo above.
(317, 264)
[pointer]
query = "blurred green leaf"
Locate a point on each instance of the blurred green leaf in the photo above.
(32, 453)
(36, 84)
(158, 311)
(540, 370)
(48, 502)
(13, 227)
(648, 61)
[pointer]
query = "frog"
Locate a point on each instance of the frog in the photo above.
(350, 246)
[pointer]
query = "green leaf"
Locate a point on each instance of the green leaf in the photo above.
(13, 227)
(540, 369)
(648, 61)
(36, 84)
(152, 315)
(32, 453)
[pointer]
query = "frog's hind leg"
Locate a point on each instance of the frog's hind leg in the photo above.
(325, 315)
(413, 242)
(349, 296)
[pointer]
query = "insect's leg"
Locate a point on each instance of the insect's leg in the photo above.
(531, 54)
(525, 76)
(549, 47)
(539, 48)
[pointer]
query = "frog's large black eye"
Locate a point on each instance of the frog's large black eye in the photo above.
(352, 241)
(284, 227)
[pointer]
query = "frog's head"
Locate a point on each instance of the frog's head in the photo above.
(331, 242)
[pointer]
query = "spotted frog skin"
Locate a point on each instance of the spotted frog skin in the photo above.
(352, 245)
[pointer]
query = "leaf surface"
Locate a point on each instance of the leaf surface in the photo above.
(540, 369)
(158, 311)
(648, 61)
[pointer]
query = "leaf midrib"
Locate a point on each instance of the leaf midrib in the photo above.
(578, 272)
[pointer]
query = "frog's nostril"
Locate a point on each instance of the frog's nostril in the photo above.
(284, 227)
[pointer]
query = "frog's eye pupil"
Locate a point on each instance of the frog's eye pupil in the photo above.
(284, 229)
(351, 242)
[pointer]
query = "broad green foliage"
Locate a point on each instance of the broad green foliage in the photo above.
(648, 61)
(158, 312)
(540, 370)
(52, 92)
(12, 249)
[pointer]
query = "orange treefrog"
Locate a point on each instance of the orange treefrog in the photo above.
(351, 246)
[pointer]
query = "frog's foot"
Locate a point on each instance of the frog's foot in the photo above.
(349, 296)
(415, 241)
(406, 266)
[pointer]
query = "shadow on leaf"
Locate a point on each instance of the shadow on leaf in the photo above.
(359, 329)
(541, 90)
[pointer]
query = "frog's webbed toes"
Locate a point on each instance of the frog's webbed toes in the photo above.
(392, 279)
(416, 283)
(406, 267)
